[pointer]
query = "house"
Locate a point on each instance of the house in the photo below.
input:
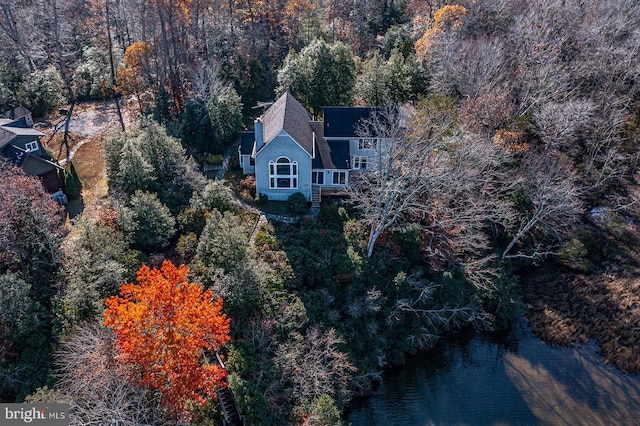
(20, 143)
(289, 152)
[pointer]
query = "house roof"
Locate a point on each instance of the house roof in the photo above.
(10, 129)
(339, 149)
(330, 154)
(343, 122)
(289, 115)
(322, 160)
(22, 131)
(246, 142)
(17, 113)
(27, 160)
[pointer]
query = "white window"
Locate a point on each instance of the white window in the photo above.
(339, 178)
(367, 143)
(359, 163)
(317, 178)
(31, 146)
(283, 173)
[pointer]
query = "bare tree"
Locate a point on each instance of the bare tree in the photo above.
(96, 384)
(317, 366)
(434, 319)
(385, 192)
(550, 204)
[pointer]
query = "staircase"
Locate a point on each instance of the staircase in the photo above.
(232, 416)
(230, 410)
(316, 196)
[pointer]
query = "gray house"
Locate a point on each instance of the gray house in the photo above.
(20, 143)
(289, 152)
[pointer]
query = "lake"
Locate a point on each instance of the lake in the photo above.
(502, 379)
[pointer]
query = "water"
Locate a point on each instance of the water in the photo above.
(511, 379)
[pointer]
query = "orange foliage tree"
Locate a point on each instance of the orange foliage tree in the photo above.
(446, 19)
(135, 76)
(164, 325)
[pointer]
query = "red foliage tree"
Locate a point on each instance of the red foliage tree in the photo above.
(30, 222)
(164, 325)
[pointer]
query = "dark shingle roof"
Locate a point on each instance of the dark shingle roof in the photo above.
(20, 123)
(322, 160)
(343, 122)
(289, 115)
(246, 142)
(339, 150)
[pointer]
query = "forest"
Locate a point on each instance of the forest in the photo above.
(511, 189)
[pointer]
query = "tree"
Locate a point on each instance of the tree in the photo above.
(214, 195)
(96, 260)
(395, 80)
(385, 192)
(96, 385)
(223, 243)
(30, 224)
(71, 181)
(225, 112)
(18, 314)
(147, 158)
(42, 91)
(445, 20)
(146, 221)
(135, 76)
(317, 366)
(166, 328)
(322, 74)
(549, 204)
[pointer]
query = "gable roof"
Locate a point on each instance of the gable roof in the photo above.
(10, 129)
(17, 113)
(289, 115)
(343, 122)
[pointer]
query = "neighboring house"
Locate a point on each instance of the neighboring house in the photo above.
(289, 152)
(20, 143)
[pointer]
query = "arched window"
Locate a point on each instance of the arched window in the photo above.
(283, 173)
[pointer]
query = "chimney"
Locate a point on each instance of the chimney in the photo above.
(257, 127)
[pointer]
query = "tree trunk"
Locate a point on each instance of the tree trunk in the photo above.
(116, 92)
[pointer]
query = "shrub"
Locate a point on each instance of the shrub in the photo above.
(574, 255)
(249, 184)
(297, 203)
(71, 182)
(214, 159)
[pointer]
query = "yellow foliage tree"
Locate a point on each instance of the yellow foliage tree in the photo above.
(446, 19)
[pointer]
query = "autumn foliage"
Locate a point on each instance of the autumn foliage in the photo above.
(164, 325)
(447, 18)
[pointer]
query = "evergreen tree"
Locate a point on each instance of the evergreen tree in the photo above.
(225, 113)
(322, 74)
(146, 221)
(223, 243)
(72, 183)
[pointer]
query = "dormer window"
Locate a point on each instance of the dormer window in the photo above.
(283, 174)
(31, 146)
